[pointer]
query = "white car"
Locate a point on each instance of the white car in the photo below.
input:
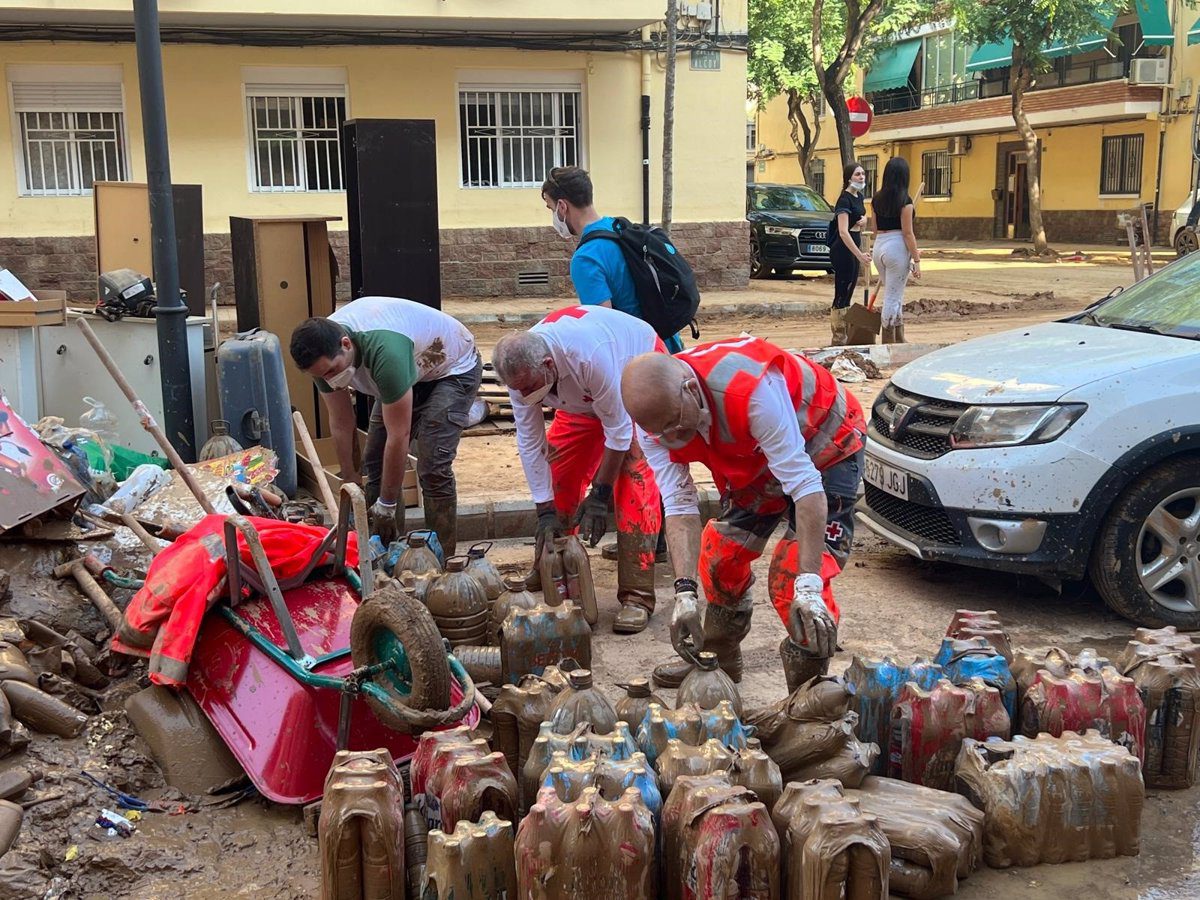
(1183, 239)
(1062, 450)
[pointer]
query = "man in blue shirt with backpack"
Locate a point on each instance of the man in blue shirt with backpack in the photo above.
(599, 268)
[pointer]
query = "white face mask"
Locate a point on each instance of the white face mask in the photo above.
(858, 184)
(533, 398)
(564, 230)
(342, 379)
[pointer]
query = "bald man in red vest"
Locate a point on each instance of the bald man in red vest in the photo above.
(782, 438)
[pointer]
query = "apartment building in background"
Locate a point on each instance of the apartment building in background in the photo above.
(1114, 118)
(256, 92)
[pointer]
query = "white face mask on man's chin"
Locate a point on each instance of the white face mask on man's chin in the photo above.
(560, 226)
(342, 379)
(534, 398)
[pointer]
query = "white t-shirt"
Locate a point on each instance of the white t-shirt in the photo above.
(441, 346)
(776, 427)
(590, 346)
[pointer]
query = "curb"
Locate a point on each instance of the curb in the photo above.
(706, 313)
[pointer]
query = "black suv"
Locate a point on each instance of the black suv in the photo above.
(787, 228)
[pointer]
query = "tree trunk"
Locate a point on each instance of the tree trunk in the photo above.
(835, 96)
(1021, 78)
(804, 143)
(668, 186)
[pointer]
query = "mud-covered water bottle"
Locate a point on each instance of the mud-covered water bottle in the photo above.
(582, 704)
(577, 567)
(418, 558)
(553, 573)
(516, 596)
(632, 708)
(474, 862)
(484, 571)
(416, 838)
(534, 639)
(459, 604)
(477, 785)
(361, 828)
(706, 686)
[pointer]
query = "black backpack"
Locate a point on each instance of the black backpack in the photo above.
(663, 280)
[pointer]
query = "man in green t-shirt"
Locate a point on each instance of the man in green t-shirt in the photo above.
(423, 370)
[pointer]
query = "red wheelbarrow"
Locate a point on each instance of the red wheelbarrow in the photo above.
(280, 675)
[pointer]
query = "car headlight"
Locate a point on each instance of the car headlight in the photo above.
(778, 229)
(1002, 426)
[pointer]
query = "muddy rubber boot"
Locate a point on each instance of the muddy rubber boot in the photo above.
(724, 631)
(441, 516)
(899, 331)
(635, 585)
(799, 665)
(837, 326)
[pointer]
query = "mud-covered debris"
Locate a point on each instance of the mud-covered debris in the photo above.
(863, 363)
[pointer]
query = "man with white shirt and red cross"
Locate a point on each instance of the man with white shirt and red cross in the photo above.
(782, 438)
(572, 361)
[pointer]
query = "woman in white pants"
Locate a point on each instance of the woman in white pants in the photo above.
(895, 252)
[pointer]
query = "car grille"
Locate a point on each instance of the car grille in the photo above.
(812, 235)
(929, 522)
(926, 431)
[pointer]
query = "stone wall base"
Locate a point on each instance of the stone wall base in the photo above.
(476, 262)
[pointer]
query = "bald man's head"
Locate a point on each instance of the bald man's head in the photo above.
(652, 390)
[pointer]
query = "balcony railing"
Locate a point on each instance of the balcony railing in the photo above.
(1067, 75)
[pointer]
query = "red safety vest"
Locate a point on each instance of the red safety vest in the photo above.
(728, 371)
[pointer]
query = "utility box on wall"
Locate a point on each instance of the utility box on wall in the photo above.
(392, 209)
(283, 274)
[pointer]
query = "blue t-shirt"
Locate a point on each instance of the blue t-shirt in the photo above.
(600, 274)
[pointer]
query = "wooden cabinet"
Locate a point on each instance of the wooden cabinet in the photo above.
(283, 273)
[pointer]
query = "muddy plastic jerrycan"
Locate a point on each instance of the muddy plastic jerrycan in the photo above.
(477, 785)
(416, 557)
(441, 771)
(459, 605)
(577, 568)
(690, 794)
(876, 685)
(533, 639)
(582, 703)
(590, 849)
(552, 573)
(516, 595)
(633, 706)
(361, 828)
(484, 571)
(527, 703)
(474, 862)
(706, 686)
(422, 761)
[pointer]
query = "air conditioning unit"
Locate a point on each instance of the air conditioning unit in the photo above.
(958, 145)
(1149, 71)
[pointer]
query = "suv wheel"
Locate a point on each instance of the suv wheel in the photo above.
(756, 261)
(1186, 242)
(1146, 562)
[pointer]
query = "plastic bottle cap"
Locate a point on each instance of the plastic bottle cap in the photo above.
(416, 540)
(456, 564)
(515, 583)
(638, 687)
(580, 679)
(707, 660)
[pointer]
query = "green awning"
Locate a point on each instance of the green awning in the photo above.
(1194, 33)
(1091, 41)
(1156, 23)
(892, 67)
(991, 56)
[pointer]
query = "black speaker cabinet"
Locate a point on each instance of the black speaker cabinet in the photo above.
(392, 210)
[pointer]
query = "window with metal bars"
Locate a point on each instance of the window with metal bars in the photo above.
(817, 166)
(935, 172)
(513, 138)
(1121, 164)
(64, 153)
(870, 167)
(295, 142)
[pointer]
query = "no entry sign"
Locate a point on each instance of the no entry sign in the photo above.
(860, 116)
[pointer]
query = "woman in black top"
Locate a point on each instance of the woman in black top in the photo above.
(846, 254)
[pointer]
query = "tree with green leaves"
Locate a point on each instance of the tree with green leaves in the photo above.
(1033, 26)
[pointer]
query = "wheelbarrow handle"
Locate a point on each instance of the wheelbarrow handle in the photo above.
(233, 558)
(352, 506)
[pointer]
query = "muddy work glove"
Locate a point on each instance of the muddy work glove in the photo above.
(549, 527)
(381, 520)
(809, 623)
(687, 630)
(592, 517)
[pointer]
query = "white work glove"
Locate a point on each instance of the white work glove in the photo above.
(381, 519)
(809, 622)
(687, 630)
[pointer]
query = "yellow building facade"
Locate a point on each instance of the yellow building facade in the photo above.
(256, 92)
(1114, 119)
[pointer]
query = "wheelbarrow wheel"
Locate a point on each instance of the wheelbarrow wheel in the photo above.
(393, 628)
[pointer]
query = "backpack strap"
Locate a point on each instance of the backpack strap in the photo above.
(599, 234)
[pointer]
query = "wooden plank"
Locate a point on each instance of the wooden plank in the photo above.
(123, 227)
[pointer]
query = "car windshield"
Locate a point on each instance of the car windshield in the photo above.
(1167, 302)
(787, 198)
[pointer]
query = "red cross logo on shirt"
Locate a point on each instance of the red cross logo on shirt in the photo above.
(834, 532)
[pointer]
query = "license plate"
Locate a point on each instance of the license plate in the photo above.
(817, 248)
(886, 478)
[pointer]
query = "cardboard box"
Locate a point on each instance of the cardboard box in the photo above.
(50, 308)
(307, 471)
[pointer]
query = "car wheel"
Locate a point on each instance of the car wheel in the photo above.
(1146, 560)
(1186, 242)
(756, 261)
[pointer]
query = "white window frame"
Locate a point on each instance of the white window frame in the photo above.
(293, 82)
(751, 136)
(948, 169)
(67, 75)
(492, 80)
